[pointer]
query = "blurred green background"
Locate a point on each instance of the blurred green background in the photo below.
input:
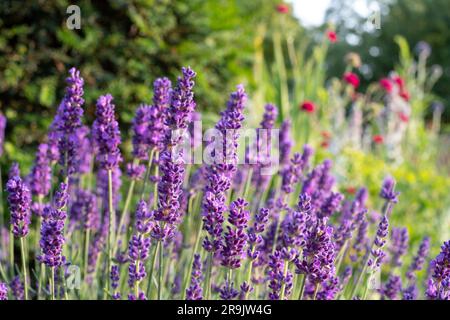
(123, 46)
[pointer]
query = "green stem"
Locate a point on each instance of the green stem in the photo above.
(187, 279)
(302, 287)
(161, 266)
(249, 276)
(11, 251)
(341, 254)
(155, 185)
(86, 252)
(316, 290)
(136, 284)
(147, 172)
(360, 276)
(124, 213)
(248, 182)
(283, 286)
(152, 268)
(110, 228)
(41, 277)
(52, 282)
(24, 266)
(208, 277)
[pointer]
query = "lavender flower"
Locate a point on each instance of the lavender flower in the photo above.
(264, 143)
(138, 251)
(52, 230)
(277, 276)
(219, 175)
(3, 292)
(40, 177)
(419, 259)
(235, 239)
(169, 191)
(377, 253)
(439, 285)
(162, 88)
(227, 292)
(399, 247)
(291, 174)
(106, 133)
(182, 105)
(294, 226)
(2, 132)
(410, 293)
(172, 167)
(84, 210)
(19, 199)
(135, 171)
(195, 292)
(387, 190)
(68, 120)
(392, 288)
(317, 262)
(139, 246)
(14, 170)
(17, 288)
(254, 233)
(84, 157)
(330, 205)
(115, 277)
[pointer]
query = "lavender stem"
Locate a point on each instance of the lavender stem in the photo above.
(24, 266)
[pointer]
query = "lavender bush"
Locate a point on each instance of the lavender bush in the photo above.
(221, 229)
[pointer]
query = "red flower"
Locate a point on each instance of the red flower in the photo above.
(378, 139)
(332, 36)
(405, 95)
(400, 82)
(283, 8)
(403, 117)
(352, 79)
(325, 144)
(308, 106)
(351, 190)
(326, 134)
(386, 84)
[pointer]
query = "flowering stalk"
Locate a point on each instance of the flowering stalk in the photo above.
(375, 256)
(219, 177)
(255, 239)
(107, 137)
(179, 114)
(19, 199)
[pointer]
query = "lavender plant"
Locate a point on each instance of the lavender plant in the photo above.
(287, 235)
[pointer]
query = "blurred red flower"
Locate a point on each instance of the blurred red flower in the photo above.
(405, 95)
(351, 190)
(403, 117)
(325, 144)
(378, 139)
(386, 84)
(332, 36)
(282, 8)
(400, 82)
(352, 79)
(326, 134)
(308, 106)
